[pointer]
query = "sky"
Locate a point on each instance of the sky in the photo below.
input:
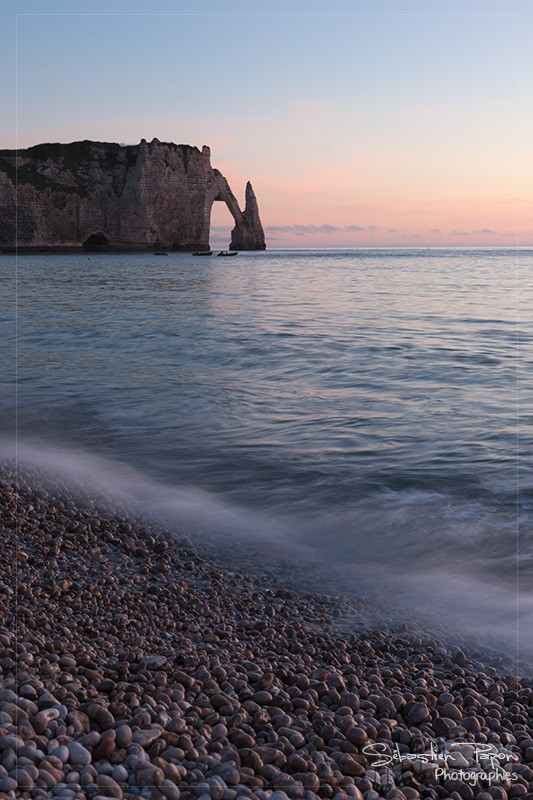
(360, 123)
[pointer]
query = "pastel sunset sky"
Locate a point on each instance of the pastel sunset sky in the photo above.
(360, 123)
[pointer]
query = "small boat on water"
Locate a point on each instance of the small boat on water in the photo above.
(160, 253)
(227, 253)
(203, 253)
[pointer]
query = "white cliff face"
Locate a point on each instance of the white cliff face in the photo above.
(133, 197)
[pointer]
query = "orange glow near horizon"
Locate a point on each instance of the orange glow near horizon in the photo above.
(300, 213)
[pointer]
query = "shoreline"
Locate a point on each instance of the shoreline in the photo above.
(136, 664)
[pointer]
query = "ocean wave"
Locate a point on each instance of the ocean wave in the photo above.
(461, 564)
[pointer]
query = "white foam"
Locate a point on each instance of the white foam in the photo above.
(451, 561)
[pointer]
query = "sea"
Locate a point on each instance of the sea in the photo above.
(370, 407)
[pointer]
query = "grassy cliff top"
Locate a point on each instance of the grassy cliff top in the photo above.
(83, 150)
(70, 156)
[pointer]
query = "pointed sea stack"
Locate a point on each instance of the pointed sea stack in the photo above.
(249, 235)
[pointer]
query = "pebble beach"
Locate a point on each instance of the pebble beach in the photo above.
(134, 664)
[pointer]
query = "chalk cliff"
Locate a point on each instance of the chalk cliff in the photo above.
(101, 195)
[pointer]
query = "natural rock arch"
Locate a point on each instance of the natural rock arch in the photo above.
(248, 232)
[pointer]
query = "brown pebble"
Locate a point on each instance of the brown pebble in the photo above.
(105, 746)
(108, 787)
(357, 736)
(150, 776)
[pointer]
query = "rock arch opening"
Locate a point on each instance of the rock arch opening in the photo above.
(221, 225)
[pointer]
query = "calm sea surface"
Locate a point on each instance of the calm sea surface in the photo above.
(374, 405)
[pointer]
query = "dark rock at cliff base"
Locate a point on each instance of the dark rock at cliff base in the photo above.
(97, 243)
(103, 196)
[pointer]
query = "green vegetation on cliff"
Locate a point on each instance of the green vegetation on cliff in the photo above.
(68, 156)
